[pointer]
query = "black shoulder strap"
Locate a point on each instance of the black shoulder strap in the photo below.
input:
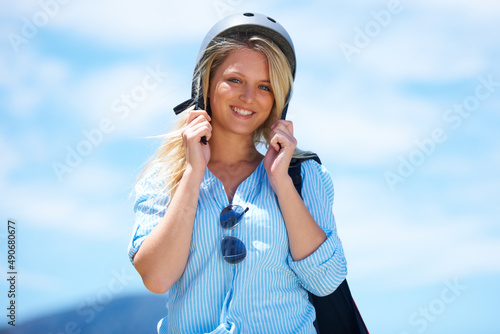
(294, 170)
(337, 312)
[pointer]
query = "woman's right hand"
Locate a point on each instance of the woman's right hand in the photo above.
(162, 258)
(197, 126)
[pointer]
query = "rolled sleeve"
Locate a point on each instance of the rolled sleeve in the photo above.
(322, 271)
(149, 207)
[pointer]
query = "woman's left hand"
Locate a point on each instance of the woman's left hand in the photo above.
(279, 154)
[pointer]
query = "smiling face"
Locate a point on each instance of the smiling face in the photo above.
(241, 97)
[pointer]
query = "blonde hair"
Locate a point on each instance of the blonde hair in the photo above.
(171, 155)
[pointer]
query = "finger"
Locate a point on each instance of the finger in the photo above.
(200, 120)
(283, 125)
(276, 142)
(271, 152)
(283, 139)
(199, 116)
(289, 126)
(194, 114)
(284, 133)
(201, 137)
(201, 130)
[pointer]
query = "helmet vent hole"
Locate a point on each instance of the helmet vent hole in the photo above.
(248, 14)
(271, 19)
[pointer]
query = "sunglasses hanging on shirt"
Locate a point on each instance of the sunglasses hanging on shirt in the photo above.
(233, 249)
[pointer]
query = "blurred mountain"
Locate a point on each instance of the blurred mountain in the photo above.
(126, 315)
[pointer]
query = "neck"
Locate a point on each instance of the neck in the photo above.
(231, 148)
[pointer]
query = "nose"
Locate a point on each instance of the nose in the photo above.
(247, 94)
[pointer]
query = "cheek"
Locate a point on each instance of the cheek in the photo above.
(222, 90)
(219, 95)
(216, 88)
(267, 101)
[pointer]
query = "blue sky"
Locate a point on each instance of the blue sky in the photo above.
(399, 98)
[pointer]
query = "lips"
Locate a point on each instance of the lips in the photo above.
(241, 111)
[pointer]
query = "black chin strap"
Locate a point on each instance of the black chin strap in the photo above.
(287, 100)
(283, 113)
(183, 106)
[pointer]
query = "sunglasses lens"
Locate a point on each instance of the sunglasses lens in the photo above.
(233, 250)
(230, 216)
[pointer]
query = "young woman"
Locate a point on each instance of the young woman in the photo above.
(219, 225)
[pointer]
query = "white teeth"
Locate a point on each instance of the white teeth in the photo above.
(242, 112)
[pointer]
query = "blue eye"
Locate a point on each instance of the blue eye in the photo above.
(265, 88)
(234, 80)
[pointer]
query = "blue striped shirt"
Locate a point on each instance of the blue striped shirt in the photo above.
(266, 292)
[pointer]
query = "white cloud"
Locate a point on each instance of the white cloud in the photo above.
(95, 93)
(424, 41)
(133, 23)
(96, 180)
(356, 121)
(10, 160)
(417, 255)
(30, 80)
(431, 52)
(351, 139)
(119, 23)
(119, 94)
(483, 9)
(387, 244)
(90, 201)
(42, 282)
(34, 145)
